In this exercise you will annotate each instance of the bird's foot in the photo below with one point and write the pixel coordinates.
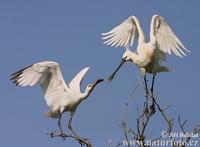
(83, 141)
(53, 134)
(152, 109)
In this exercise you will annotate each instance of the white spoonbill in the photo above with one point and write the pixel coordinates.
(59, 96)
(149, 54)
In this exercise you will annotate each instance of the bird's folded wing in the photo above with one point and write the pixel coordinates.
(164, 38)
(123, 35)
(75, 83)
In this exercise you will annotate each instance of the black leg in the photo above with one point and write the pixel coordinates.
(145, 82)
(154, 75)
(146, 89)
(152, 107)
(59, 123)
(70, 124)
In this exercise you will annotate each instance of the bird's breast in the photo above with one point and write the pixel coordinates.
(72, 104)
(149, 60)
(145, 50)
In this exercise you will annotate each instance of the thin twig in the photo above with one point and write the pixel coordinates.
(123, 115)
(182, 125)
(81, 141)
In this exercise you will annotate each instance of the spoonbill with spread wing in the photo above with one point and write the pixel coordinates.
(59, 96)
(149, 54)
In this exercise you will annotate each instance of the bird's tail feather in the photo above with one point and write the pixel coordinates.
(52, 114)
(163, 69)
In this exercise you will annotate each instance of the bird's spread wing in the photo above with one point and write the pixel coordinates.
(46, 73)
(164, 38)
(123, 35)
(75, 83)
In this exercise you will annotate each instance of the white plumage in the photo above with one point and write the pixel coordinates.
(161, 35)
(148, 54)
(58, 96)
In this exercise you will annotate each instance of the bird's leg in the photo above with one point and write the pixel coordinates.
(61, 134)
(70, 126)
(154, 75)
(152, 107)
(59, 124)
(82, 141)
(146, 89)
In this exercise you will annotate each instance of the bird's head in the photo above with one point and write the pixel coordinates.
(126, 57)
(90, 87)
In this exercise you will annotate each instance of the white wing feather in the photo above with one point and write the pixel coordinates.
(164, 38)
(75, 83)
(38, 74)
(123, 35)
(48, 75)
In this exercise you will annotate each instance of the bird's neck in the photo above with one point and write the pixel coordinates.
(135, 58)
(85, 94)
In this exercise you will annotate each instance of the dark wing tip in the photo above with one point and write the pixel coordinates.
(15, 75)
(20, 71)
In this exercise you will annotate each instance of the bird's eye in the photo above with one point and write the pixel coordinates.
(90, 85)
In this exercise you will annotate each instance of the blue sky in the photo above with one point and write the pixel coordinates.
(69, 32)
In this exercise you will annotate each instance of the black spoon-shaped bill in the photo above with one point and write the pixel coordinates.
(113, 74)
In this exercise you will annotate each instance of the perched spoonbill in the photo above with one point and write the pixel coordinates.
(149, 54)
(59, 96)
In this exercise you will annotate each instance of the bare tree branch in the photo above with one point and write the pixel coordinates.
(123, 115)
(143, 119)
(81, 141)
(182, 125)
